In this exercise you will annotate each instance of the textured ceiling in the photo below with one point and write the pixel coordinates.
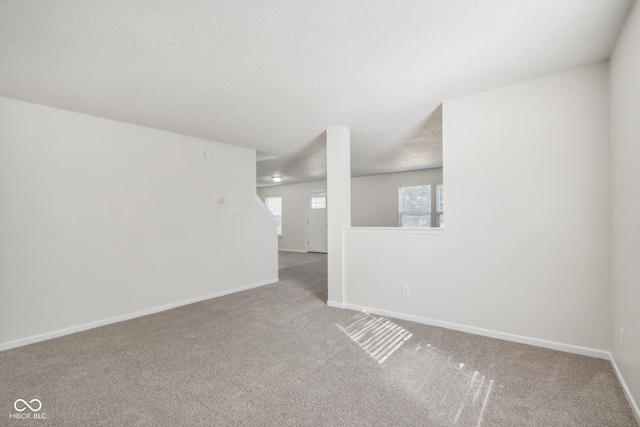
(274, 75)
(421, 149)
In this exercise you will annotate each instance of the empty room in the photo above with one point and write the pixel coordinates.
(414, 213)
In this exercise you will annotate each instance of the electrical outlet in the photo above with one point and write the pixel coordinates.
(404, 290)
(213, 276)
(621, 339)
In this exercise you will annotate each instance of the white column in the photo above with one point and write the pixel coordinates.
(339, 207)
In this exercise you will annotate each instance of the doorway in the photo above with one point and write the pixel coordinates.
(317, 222)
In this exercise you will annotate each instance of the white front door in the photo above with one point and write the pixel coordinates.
(317, 222)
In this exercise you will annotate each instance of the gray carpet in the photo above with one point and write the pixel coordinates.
(277, 355)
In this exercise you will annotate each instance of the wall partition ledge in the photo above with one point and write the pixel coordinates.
(395, 230)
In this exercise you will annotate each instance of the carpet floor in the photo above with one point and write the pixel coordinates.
(278, 356)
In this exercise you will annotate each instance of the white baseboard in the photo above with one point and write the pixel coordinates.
(73, 329)
(625, 388)
(293, 250)
(601, 354)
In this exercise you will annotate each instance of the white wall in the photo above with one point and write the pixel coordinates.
(338, 206)
(374, 199)
(294, 213)
(374, 202)
(625, 203)
(525, 251)
(101, 219)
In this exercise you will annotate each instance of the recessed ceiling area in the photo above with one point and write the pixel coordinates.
(273, 76)
(421, 149)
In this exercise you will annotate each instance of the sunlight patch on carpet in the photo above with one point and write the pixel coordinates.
(377, 336)
(459, 394)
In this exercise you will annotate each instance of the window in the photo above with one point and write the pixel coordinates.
(274, 204)
(440, 205)
(319, 202)
(415, 206)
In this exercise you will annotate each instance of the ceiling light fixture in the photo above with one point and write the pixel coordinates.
(276, 178)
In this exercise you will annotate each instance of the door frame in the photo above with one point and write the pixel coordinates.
(306, 213)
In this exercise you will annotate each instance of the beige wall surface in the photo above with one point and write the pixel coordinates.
(525, 251)
(374, 199)
(101, 219)
(625, 203)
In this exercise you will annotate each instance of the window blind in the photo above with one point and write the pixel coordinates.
(415, 206)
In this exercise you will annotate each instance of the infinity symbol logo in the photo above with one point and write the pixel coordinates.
(26, 405)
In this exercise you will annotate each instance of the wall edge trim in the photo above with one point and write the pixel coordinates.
(625, 388)
(568, 348)
(396, 230)
(336, 304)
(103, 322)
